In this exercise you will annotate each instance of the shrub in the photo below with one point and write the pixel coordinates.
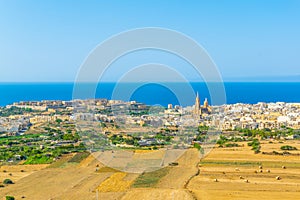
(231, 145)
(287, 147)
(10, 198)
(222, 140)
(255, 144)
(173, 164)
(58, 121)
(8, 181)
(256, 151)
(197, 146)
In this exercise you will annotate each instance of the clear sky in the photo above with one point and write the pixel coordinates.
(49, 40)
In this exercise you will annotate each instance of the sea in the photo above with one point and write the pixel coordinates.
(154, 93)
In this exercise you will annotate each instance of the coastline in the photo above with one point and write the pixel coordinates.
(236, 92)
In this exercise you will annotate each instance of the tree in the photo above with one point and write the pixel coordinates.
(197, 146)
(10, 198)
(58, 121)
(68, 136)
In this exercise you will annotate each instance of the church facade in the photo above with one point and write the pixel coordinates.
(201, 110)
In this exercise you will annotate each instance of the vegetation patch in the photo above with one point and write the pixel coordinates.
(79, 157)
(255, 144)
(38, 159)
(231, 145)
(107, 169)
(288, 148)
(5, 112)
(199, 148)
(60, 163)
(150, 179)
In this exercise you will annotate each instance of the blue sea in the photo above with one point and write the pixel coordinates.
(153, 94)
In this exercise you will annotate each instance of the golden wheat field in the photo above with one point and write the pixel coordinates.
(225, 173)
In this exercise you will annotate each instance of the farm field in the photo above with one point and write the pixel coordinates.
(17, 172)
(225, 173)
(60, 180)
(234, 173)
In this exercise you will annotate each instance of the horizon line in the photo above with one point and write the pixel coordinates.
(85, 82)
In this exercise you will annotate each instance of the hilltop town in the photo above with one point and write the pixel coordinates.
(47, 129)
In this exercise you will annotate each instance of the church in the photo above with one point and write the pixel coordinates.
(201, 110)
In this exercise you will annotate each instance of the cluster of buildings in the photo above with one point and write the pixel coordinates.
(12, 125)
(34, 112)
(226, 117)
(255, 116)
(42, 105)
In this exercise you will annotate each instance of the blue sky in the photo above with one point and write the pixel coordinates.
(49, 40)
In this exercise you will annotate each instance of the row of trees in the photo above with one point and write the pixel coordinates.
(5, 112)
(266, 133)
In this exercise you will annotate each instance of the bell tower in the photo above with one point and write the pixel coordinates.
(197, 108)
